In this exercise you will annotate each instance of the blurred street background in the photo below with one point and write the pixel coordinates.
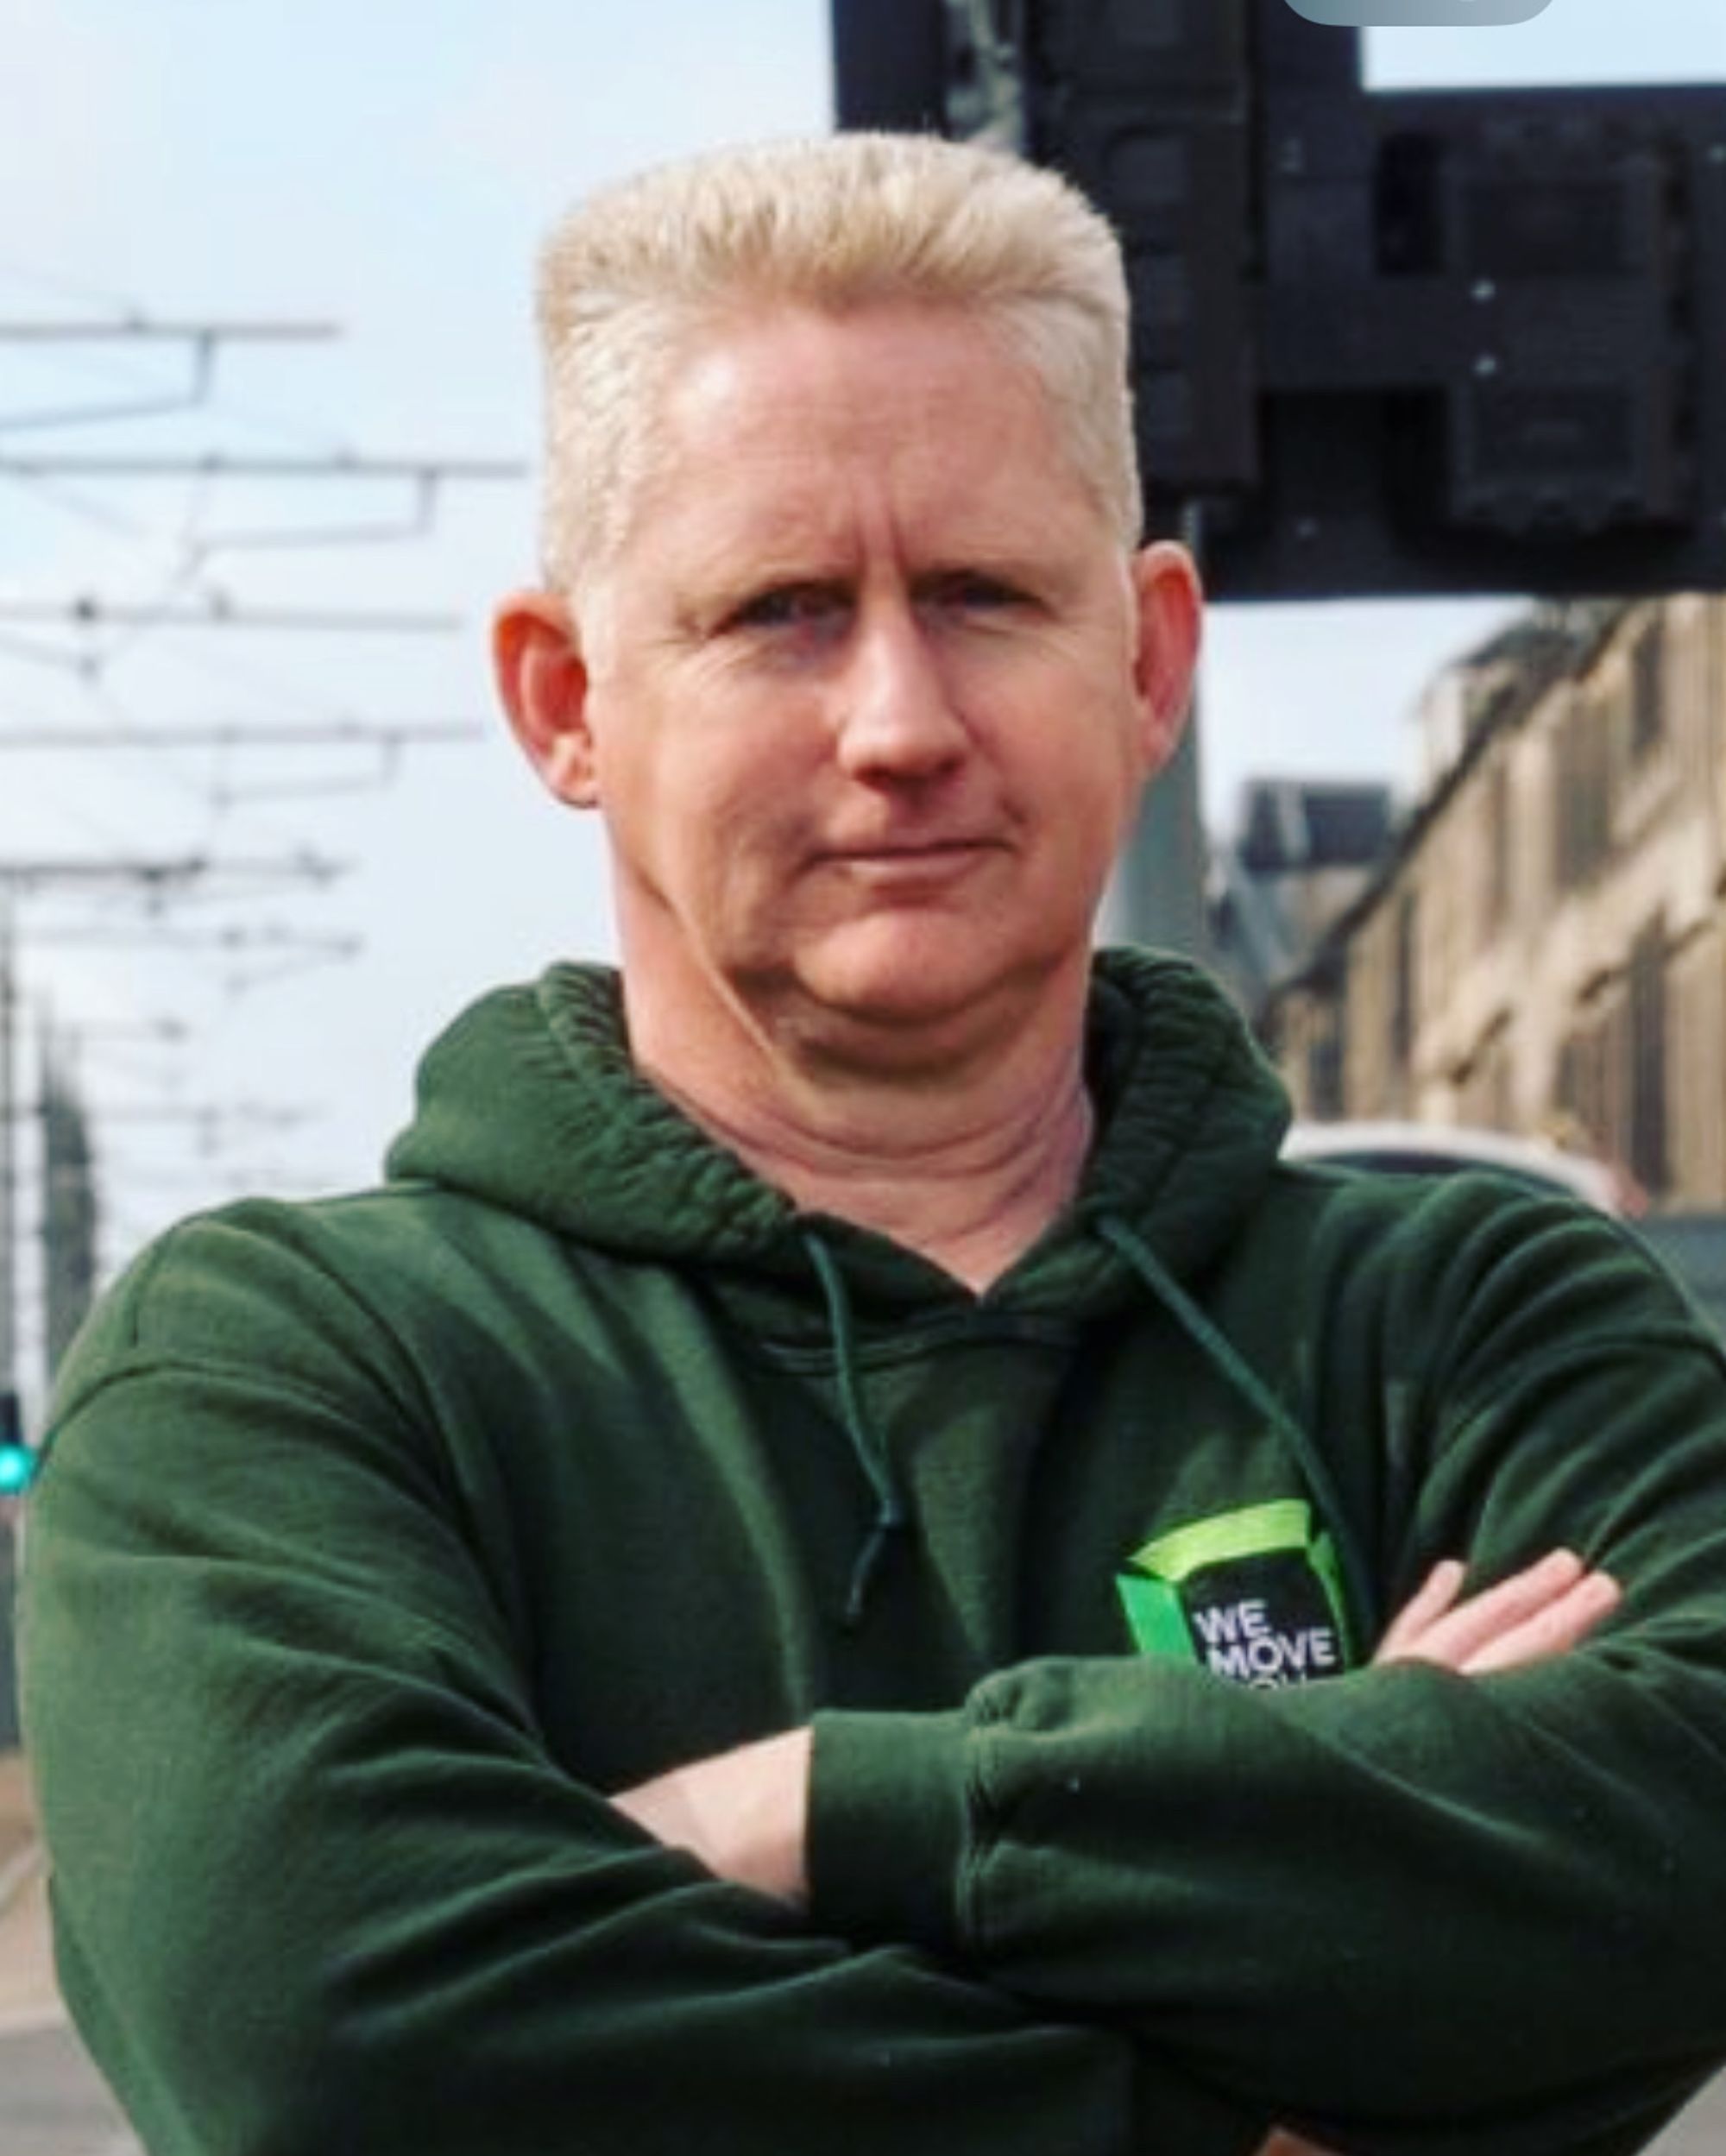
(52, 2102)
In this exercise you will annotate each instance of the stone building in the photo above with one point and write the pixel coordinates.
(1303, 850)
(1544, 948)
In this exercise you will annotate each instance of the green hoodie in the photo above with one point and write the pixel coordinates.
(380, 1535)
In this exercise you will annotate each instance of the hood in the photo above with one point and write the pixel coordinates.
(530, 1102)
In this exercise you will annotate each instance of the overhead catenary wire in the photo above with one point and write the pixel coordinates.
(146, 495)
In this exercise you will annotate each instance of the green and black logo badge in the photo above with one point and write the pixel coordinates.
(1254, 1596)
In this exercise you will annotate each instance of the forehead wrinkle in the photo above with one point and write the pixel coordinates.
(921, 410)
(848, 543)
(814, 477)
(760, 539)
(916, 500)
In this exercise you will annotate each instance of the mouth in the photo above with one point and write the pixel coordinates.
(911, 853)
(913, 864)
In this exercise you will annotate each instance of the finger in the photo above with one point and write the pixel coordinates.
(1475, 1623)
(1431, 1600)
(1562, 1624)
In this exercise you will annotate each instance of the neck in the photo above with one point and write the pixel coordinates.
(968, 1172)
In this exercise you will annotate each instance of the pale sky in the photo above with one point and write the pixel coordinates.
(389, 167)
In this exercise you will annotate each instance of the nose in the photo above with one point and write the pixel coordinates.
(897, 720)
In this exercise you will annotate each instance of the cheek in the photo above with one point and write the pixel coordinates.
(1096, 798)
(1095, 762)
(713, 829)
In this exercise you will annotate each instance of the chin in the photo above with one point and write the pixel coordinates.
(904, 984)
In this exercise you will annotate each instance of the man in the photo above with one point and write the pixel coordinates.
(813, 1571)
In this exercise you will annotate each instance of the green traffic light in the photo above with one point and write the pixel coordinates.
(17, 1469)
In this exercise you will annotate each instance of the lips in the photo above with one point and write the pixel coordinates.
(930, 859)
(912, 851)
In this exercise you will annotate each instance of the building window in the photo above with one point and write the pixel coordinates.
(1325, 1070)
(1582, 779)
(1496, 894)
(1404, 986)
(1648, 690)
(1647, 1058)
(1583, 1092)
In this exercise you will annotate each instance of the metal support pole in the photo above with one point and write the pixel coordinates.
(9, 1152)
(12, 1459)
(1158, 894)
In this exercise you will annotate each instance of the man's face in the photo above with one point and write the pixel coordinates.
(867, 700)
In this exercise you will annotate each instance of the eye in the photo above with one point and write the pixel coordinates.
(798, 606)
(975, 592)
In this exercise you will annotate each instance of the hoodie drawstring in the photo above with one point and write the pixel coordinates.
(1214, 1343)
(872, 1453)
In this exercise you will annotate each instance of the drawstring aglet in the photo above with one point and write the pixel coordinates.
(889, 1521)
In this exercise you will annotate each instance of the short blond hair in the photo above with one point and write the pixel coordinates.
(630, 279)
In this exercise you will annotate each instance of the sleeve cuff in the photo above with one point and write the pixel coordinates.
(887, 1826)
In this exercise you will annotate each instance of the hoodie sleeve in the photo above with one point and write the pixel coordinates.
(1404, 1909)
(317, 1883)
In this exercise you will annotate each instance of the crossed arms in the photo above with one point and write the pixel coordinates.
(743, 1814)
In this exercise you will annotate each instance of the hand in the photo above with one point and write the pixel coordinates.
(1545, 1610)
(743, 1814)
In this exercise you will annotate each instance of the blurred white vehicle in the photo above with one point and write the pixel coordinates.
(1438, 1148)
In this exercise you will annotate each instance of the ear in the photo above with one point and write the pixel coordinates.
(543, 684)
(1170, 604)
